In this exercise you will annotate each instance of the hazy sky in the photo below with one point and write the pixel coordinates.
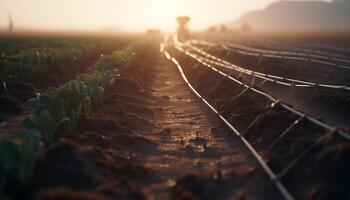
(129, 15)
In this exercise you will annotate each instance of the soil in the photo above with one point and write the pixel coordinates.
(154, 139)
(151, 139)
(321, 165)
(325, 104)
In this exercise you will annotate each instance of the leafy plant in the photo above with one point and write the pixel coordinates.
(56, 109)
(45, 124)
(18, 158)
(117, 61)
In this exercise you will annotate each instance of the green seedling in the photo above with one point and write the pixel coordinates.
(18, 158)
(46, 125)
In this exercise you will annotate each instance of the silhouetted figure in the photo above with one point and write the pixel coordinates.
(182, 31)
(10, 24)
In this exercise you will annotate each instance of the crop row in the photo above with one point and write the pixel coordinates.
(36, 58)
(57, 111)
(16, 47)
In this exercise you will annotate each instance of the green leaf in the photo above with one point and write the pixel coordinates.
(31, 122)
(9, 162)
(9, 155)
(29, 149)
(44, 123)
(47, 126)
(65, 122)
(83, 89)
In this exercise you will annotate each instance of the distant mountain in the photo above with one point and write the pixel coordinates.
(299, 16)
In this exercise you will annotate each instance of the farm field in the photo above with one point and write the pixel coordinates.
(32, 64)
(216, 116)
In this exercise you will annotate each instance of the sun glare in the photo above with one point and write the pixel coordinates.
(163, 13)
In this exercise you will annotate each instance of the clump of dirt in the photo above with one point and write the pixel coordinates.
(135, 142)
(62, 166)
(67, 193)
(207, 186)
(132, 120)
(166, 131)
(198, 187)
(121, 189)
(9, 106)
(140, 110)
(101, 121)
(129, 84)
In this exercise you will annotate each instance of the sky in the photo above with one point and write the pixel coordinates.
(128, 15)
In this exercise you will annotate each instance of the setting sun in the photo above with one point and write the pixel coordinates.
(162, 12)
